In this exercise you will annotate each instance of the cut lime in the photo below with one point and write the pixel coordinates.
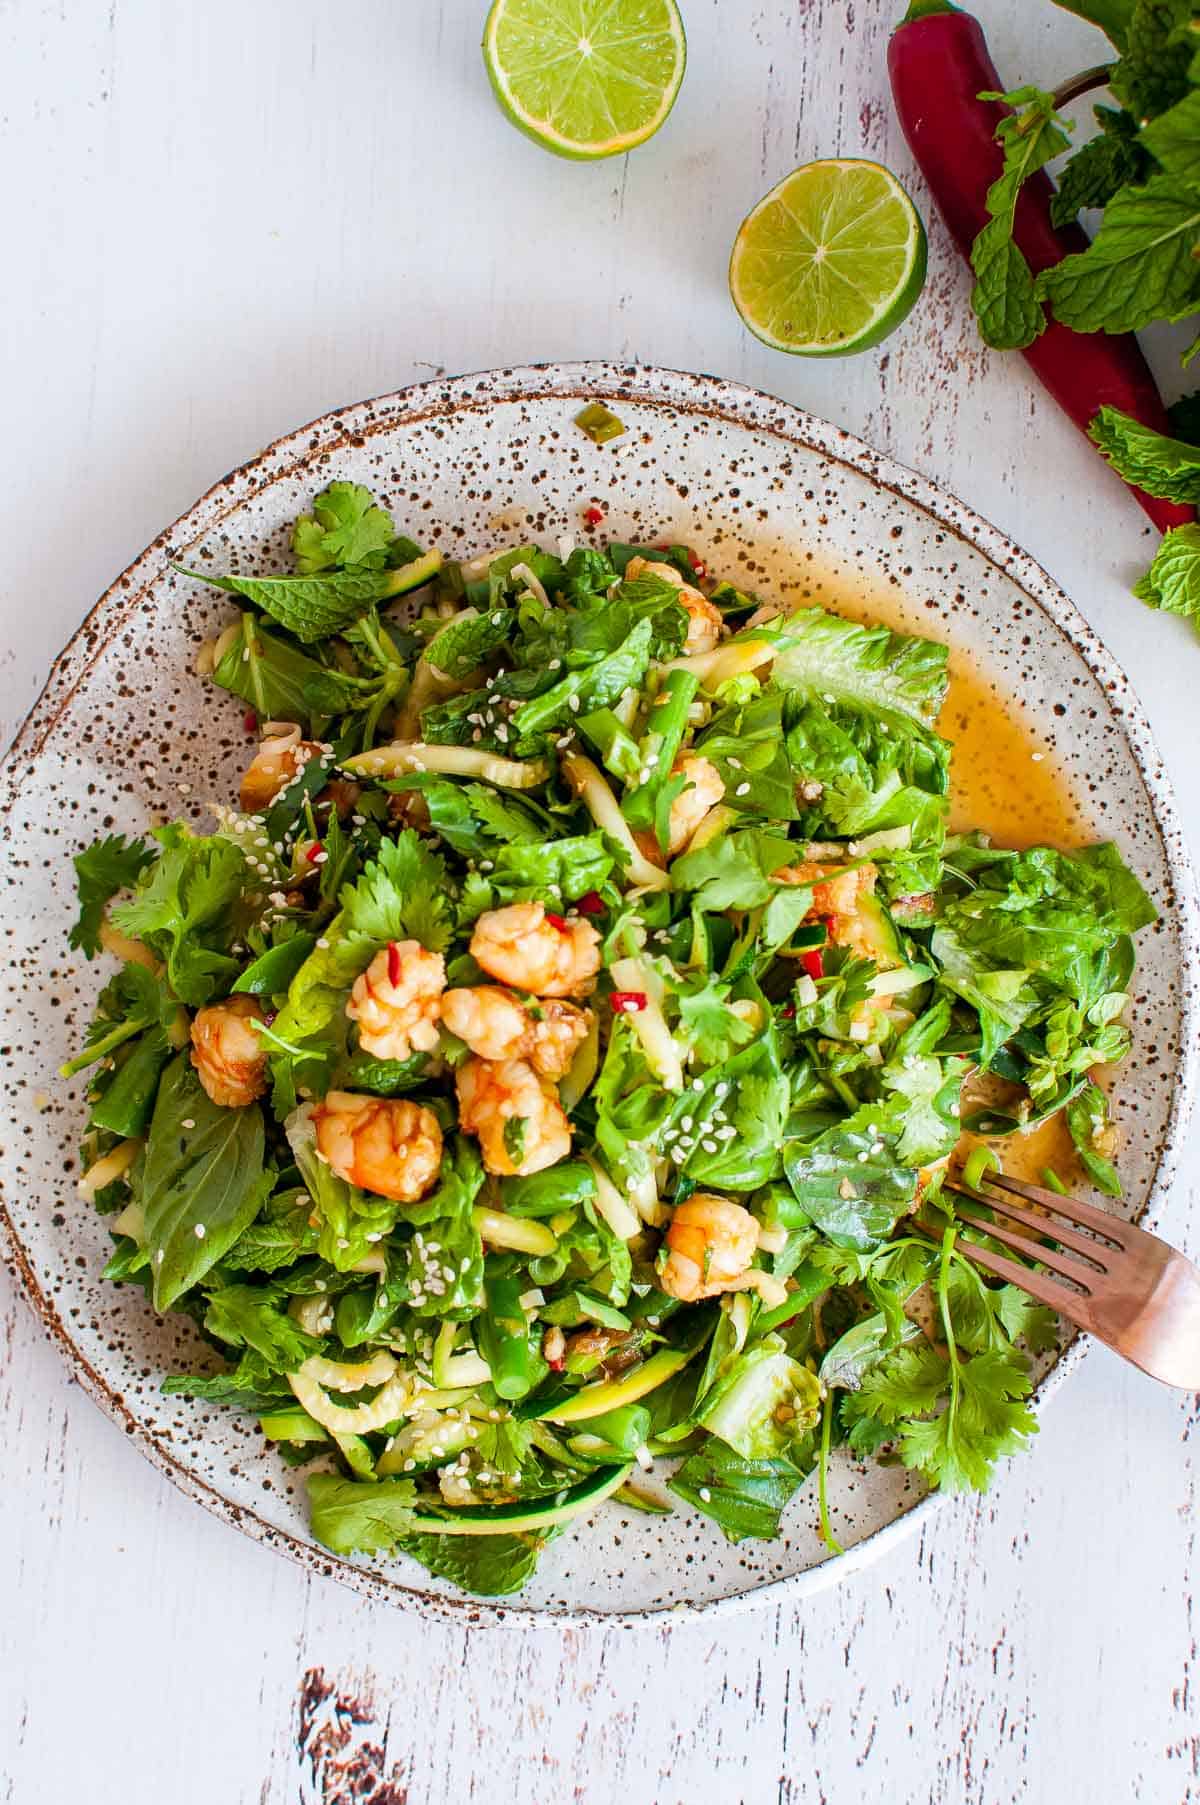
(830, 261)
(585, 78)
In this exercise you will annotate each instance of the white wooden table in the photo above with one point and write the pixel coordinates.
(219, 220)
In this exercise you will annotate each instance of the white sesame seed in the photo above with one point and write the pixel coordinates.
(199, 1231)
(704, 1494)
(188, 1122)
(743, 789)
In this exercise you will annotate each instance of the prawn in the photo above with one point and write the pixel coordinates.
(521, 1125)
(230, 1059)
(496, 1026)
(549, 955)
(705, 620)
(386, 1145)
(397, 1001)
(710, 1245)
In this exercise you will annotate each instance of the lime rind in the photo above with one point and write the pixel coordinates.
(619, 91)
(831, 261)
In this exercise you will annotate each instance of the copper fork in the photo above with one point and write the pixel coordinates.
(1124, 1286)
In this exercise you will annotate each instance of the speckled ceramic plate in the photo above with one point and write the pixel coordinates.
(124, 736)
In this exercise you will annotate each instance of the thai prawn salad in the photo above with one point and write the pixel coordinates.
(538, 1086)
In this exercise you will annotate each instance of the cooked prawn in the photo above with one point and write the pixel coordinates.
(229, 1057)
(710, 1243)
(385, 1145)
(496, 1025)
(705, 620)
(281, 756)
(836, 891)
(521, 1124)
(397, 1001)
(550, 955)
(705, 788)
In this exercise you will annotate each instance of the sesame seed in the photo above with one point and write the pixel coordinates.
(704, 1495)
(188, 1122)
(199, 1231)
(743, 789)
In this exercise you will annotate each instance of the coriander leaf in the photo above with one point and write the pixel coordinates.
(346, 527)
(1004, 297)
(1023, 1320)
(956, 1450)
(1148, 459)
(1173, 579)
(743, 1497)
(310, 607)
(105, 867)
(1139, 267)
(183, 909)
(403, 894)
(202, 1184)
(733, 871)
(351, 1517)
(708, 1022)
(1099, 167)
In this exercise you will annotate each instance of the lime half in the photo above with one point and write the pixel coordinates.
(585, 78)
(830, 261)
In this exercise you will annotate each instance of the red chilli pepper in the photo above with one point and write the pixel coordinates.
(315, 853)
(558, 921)
(628, 1002)
(788, 1012)
(939, 64)
(394, 965)
(250, 721)
(813, 963)
(591, 904)
(593, 515)
(700, 569)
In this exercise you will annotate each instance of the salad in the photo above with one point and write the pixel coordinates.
(540, 1082)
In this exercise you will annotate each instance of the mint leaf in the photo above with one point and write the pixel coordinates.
(310, 607)
(1173, 139)
(277, 680)
(1148, 459)
(346, 526)
(491, 1566)
(1004, 297)
(203, 1182)
(252, 1316)
(1112, 16)
(743, 1497)
(1153, 72)
(1100, 167)
(104, 868)
(1139, 267)
(1173, 580)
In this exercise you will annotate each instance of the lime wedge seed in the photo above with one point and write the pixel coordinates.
(830, 261)
(585, 78)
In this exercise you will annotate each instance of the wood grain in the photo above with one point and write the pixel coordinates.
(227, 219)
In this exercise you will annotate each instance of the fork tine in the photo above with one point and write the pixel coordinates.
(1046, 1290)
(1087, 1214)
(1096, 1251)
(1067, 1264)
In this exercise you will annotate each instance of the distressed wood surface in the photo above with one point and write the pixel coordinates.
(220, 220)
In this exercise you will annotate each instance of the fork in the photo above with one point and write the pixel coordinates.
(1123, 1285)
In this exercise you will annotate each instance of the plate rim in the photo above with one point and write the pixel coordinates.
(687, 392)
